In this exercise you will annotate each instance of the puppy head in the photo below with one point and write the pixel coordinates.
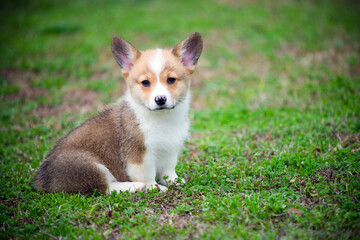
(158, 78)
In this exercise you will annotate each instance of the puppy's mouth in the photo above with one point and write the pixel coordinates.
(162, 108)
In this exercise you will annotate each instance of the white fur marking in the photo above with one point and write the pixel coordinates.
(124, 186)
(109, 177)
(157, 63)
(161, 90)
(118, 186)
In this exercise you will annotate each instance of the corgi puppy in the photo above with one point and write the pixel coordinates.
(136, 141)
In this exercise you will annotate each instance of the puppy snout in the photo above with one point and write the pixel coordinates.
(160, 100)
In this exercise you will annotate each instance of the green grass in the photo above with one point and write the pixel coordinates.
(275, 147)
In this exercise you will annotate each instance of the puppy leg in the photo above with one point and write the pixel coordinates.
(166, 164)
(144, 173)
(125, 186)
(113, 185)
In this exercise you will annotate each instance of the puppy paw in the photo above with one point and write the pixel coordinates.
(159, 187)
(176, 181)
(180, 181)
(125, 186)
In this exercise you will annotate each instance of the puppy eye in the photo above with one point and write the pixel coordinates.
(171, 80)
(145, 83)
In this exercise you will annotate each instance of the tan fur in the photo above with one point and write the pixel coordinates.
(141, 72)
(112, 138)
(173, 68)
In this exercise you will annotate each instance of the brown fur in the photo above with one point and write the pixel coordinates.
(112, 138)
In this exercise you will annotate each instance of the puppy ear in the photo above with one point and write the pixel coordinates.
(189, 50)
(124, 53)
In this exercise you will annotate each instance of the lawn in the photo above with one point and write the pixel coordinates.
(275, 137)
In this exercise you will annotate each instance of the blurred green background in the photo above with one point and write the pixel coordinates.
(275, 144)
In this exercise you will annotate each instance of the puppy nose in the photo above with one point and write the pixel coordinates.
(160, 100)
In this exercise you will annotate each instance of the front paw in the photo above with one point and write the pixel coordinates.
(167, 181)
(180, 181)
(159, 187)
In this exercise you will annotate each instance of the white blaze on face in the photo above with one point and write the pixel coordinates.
(156, 65)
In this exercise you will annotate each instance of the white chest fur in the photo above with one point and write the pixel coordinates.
(165, 132)
(163, 129)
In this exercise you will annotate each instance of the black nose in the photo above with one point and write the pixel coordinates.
(160, 100)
